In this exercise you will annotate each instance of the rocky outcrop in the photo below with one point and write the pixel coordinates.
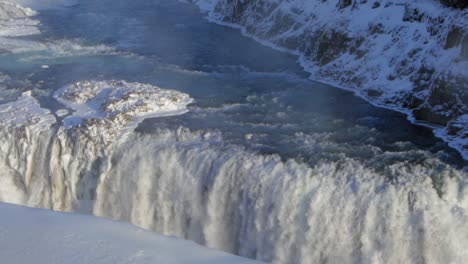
(455, 3)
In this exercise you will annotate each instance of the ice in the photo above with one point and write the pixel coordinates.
(25, 113)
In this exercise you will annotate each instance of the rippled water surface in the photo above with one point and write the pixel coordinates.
(255, 96)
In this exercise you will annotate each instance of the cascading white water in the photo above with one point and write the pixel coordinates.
(191, 185)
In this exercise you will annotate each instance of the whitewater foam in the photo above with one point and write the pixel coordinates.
(193, 185)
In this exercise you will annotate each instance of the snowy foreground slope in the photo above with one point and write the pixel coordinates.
(39, 236)
(411, 56)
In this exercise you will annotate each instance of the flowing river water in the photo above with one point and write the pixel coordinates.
(266, 163)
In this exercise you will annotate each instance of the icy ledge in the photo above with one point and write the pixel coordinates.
(25, 112)
(107, 109)
(68, 238)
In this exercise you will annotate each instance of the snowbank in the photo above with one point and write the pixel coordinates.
(39, 236)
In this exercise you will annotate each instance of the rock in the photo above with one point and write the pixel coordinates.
(454, 38)
(455, 3)
(464, 48)
(330, 46)
(344, 3)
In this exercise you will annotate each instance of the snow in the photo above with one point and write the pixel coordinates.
(17, 19)
(15, 22)
(456, 134)
(38, 236)
(25, 112)
(12, 10)
(109, 108)
(43, 4)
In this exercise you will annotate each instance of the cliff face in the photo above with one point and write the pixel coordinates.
(408, 55)
(455, 3)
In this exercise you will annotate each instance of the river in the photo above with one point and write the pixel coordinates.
(266, 163)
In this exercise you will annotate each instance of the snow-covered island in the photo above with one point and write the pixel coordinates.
(107, 109)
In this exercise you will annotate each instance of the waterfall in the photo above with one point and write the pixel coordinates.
(192, 185)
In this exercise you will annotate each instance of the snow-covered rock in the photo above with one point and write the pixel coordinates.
(455, 3)
(10, 11)
(43, 4)
(25, 113)
(15, 21)
(107, 109)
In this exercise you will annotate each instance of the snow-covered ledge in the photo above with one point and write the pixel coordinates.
(39, 236)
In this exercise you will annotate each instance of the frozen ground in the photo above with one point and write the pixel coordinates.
(30, 236)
